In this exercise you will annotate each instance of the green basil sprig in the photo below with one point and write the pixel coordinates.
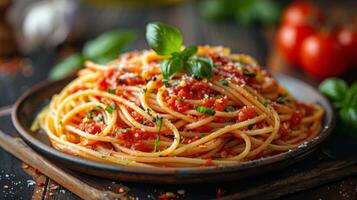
(167, 40)
(163, 39)
(344, 100)
(66, 66)
(335, 89)
(102, 49)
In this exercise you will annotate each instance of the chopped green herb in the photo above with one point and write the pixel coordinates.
(182, 99)
(144, 90)
(158, 120)
(97, 107)
(156, 144)
(90, 115)
(98, 118)
(123, 130)
(282, 99)
(229, 109)
(205, 110)
(265, 102)
(111, 107)
(249, 73)
(224, 82)
(111, 91)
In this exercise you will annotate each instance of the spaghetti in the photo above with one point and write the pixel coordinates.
(122, 113)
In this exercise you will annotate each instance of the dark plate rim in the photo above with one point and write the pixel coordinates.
(33, 141)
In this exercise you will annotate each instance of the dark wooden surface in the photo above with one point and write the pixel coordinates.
(328, 172)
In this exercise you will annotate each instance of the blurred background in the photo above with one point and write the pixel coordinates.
(50, 39)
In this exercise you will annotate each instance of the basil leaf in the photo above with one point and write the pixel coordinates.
(351, 97)
(335, 89)
(200, 67)
(217, 9)
(67, 66)
(255, 11)
(108, 45)
(249, 13)
(188, 52)
(170, 67)
(111, 91)
(348, 116)
(163, 39)
(205, 110)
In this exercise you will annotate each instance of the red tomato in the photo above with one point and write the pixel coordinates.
(301, 13)
(246, 113)
(348, 39)
(91, 127)
(322, 56)
(296, 118)
(289, 39)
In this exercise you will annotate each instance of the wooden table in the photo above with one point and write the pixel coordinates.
(20, 181)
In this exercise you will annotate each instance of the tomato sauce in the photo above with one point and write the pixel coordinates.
(113, 78)
(134, 138)
(176, 104)
(216, 104)
(203, 129)
(188, 140)
(283, 131)
(306, 109)
(296, 118)
(139, 118)
(193, 89)
(91, 127)
(246, 113)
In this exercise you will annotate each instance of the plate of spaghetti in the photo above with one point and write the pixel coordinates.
(128, 120)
